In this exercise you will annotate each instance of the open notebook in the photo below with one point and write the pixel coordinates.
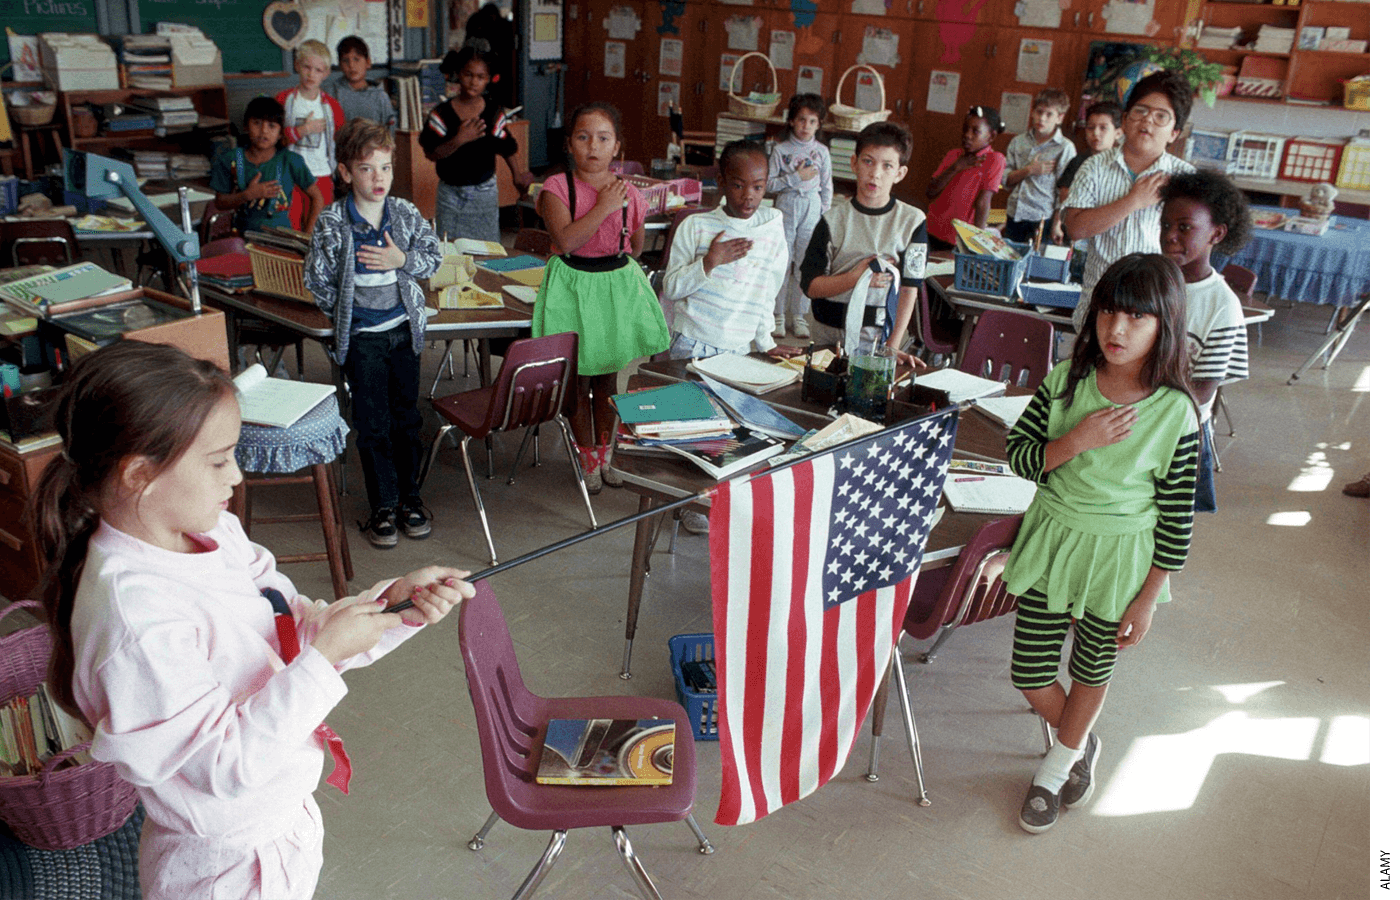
(278, 402)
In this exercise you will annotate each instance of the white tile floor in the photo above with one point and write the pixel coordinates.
(1235, 739)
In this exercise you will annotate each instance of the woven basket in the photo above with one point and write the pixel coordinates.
(853, 118)
(278, 272)
(741, 107)
(60, 808)
(34, 113)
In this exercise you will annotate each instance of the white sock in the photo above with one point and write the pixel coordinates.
(1054, 769)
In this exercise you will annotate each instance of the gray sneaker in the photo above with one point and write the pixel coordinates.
(1040, 810)
(380, 529)
(1080, 785)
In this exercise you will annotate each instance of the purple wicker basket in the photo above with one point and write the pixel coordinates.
(61, 807)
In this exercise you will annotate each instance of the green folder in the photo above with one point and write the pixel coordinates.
(671, 403)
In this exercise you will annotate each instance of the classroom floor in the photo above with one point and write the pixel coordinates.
(1235, 760)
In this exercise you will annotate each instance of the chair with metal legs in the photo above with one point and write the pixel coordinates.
(969, 591)
(511, 723)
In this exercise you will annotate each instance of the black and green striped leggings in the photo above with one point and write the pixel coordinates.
(1040, 638)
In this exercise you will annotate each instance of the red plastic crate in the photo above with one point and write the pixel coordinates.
(654, 192)
(1311, 159)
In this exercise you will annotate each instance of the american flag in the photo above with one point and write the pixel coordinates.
(811, 568)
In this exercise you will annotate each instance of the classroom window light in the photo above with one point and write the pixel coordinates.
(1315, 475)
(1363, 381)
(1239, 693)
(1348, 741)
(1290, 519)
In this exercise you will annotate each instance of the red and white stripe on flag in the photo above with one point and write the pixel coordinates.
(798, 661)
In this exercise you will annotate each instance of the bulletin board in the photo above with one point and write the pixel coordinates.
(236, 26)
(80, 17)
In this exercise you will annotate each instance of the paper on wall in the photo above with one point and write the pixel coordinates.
(869, 94)
(743, 32)
(726, 66)
(672, 50)
(24, 57)
(809, 80)
(668, 94)
(1015, 111)
(614, 59)
(622, 23)
(868, 7)
(1033, 61)
(780, 44)
(1038, 13)
(943, 92)
(1129, 17)
(879, 48)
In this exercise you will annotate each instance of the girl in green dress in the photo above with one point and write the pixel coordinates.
(1112, 439)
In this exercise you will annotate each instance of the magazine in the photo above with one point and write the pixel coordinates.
(603, 752)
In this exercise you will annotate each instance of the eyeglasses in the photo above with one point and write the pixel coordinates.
(1159, 117)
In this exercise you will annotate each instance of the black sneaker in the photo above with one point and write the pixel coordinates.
(380, 530)
(1080, 786)
(413, 520)
(1040, 810)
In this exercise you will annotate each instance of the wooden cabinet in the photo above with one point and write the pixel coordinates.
(415, 176)
(20, 468)
(210, 102)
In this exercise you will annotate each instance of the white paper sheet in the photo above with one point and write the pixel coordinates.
(809, 80)
(1129, 17)
(943, 92)
(879, 48)
(1015, 111)
(622, 23)
(1038, 13)
(668, 93)
(743, 32)
(868, 7)
(780, 44)
(1033, 61)
(726, 66)
(868, 91)
(672, 50)
(614, 59)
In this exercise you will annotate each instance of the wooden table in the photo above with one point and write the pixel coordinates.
(662, 479)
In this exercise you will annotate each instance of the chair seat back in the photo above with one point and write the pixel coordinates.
(534, 384)
(972, 590)
(937, 333)
(1010, 346)
(1242, 282)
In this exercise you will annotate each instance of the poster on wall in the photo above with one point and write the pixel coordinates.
(545, 18)
(943, 92)
(1015, 111)
(809, 80)
(672, 51)
(1033, 61)
(615, 59)
(332, 22)
(668, 95)
(1129, 17)
(780, 44)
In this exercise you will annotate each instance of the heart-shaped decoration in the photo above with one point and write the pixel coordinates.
(285, 23)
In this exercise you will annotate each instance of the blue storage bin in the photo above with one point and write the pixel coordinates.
(1050, 269)
(989, 275)
(82, 202)
(701, 709)
(9, 194)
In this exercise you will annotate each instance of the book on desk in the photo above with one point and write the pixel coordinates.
(278, 402)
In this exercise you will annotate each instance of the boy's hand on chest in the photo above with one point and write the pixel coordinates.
(381, 258)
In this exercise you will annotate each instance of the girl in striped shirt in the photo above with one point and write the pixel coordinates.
(1112, 439)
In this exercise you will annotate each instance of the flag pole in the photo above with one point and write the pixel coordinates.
(667, 507)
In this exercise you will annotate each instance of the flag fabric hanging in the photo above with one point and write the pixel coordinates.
(811, 569)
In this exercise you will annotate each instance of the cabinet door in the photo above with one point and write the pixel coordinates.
(888, 46)
(1064, 68)
(1162, 23)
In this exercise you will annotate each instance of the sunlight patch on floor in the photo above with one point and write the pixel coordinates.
(1348, 741)
(1292, 519)
(1315, 474)
(1363, 381)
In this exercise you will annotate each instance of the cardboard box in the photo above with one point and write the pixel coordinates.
(78, 62)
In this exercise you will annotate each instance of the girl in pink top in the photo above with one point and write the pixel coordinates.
(205, 676)
(963, 184)
(594, 286)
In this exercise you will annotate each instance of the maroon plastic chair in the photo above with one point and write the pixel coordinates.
(938, 334)
(511, 722)
(967, 592)
(1010, 346)
(534, 386)
(627, 167)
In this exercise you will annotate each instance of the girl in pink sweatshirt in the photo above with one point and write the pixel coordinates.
(205, 676)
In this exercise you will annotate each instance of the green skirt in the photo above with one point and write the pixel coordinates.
(614, 311)
(1076, 569)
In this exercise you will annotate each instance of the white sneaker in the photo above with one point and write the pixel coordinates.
(694, 522)
(799, 327)
(779, 327)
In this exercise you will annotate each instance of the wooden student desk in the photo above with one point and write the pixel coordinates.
(662, 479)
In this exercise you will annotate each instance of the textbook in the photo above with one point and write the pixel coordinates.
(474, 247)
(725, 456)
(679, 401)
(603, 752)
(745, 372)
(752, 412)
(1002, 410)
(959, 385)
(278, 402)
(47, 292)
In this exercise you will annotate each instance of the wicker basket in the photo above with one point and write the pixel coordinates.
(34, 113)
(853, 118)
(741, 107)
(60, 808)
(278, 272)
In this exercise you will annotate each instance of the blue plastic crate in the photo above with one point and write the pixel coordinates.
(9, 194)
(701, 709)
(989, 275)
(1048, 269)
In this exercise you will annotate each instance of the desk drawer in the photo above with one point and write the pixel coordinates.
(12, 480)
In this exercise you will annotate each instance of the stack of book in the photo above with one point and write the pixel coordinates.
(1218, 37)
(728, 130)
(231, 273)
(34, 728)
(280, 238)
(1273, 39)
(842, 149)
(667, 415)
(171, 113)
(187, 166)
(145, 60)
(150, 163)
(51, 292)
(405, 90)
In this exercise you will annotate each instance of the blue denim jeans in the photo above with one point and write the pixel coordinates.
(468, 210)
(383, 373)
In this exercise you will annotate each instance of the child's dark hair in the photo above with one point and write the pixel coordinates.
(1224, 201)
(352, 44)
(128, 400)
(1172, 86)
(456, 60)
(990, 115)
(264, 109)
(359, 138)
(1052, 97)
(1106, 108)
(736, 149)
(811, 102)
(600, 107)
(886, 134)
(1147, 283)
